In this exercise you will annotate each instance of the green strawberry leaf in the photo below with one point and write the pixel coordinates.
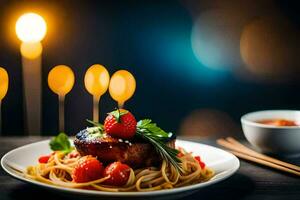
(118, 113)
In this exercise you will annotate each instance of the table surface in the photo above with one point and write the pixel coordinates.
(250, 182)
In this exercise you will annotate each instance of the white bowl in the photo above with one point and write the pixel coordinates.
(280, 140)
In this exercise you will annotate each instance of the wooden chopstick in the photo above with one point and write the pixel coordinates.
(246, 153)
(265, 163)
(262, 156)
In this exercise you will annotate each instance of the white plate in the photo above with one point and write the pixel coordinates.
(223, 163)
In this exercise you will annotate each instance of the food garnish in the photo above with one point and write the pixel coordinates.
(61, 143)
(118, 174)
(120, 123)
(88, 169)
(202, 164)
(44, 159)
(157, 137)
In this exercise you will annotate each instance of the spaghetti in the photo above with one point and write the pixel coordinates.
(57, 171)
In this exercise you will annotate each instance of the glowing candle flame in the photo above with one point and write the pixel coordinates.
(61, 79)
(3, 90)
(3, 83)
(96, 80)
(31, 27)
(122, 86)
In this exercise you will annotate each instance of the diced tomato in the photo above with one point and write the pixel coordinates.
(198, 158)
(118, 172)
(44, 159)
(180, 154)
(202, 164)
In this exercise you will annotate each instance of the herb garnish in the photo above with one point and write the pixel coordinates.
(61, 143)
(156, 136)
(97, 124)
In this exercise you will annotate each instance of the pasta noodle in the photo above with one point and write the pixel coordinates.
(57, 171)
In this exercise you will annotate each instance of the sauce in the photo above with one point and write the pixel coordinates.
(279, 122)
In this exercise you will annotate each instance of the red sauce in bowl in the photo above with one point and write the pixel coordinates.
(279, 122)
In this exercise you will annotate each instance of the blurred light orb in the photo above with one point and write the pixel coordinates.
(215, 39)
(3, 83)
(31, 50)
(31, 27)
(122, 86)
(61, 79)
(269, 47)
(96, 80)
(208, 123)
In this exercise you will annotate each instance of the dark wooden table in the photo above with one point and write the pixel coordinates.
(250, 182)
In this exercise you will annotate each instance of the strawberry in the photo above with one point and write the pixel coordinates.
(120, 123)
(88, 169)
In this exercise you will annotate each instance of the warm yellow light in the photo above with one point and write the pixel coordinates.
(31, 27)
(31, 50)
(3, 83)
(61, 79)
(122, 86)
(96, 80)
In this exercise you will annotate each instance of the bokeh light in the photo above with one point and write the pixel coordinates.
(269, 47)
(96, 80)
(61, 79)
(122, 86)
(215, 39)
(3, 83)
(209, 123)
(31, 27)
(31, 50)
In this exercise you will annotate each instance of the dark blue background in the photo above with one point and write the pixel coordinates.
(150, 39)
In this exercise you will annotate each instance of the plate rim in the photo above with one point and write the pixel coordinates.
(188, 188)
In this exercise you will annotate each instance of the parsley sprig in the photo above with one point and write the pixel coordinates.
(156, 136)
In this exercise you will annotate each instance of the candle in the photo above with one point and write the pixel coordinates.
(61, 81)
(122, 86)
(96, 82)
(31, 29)
(3, 90)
